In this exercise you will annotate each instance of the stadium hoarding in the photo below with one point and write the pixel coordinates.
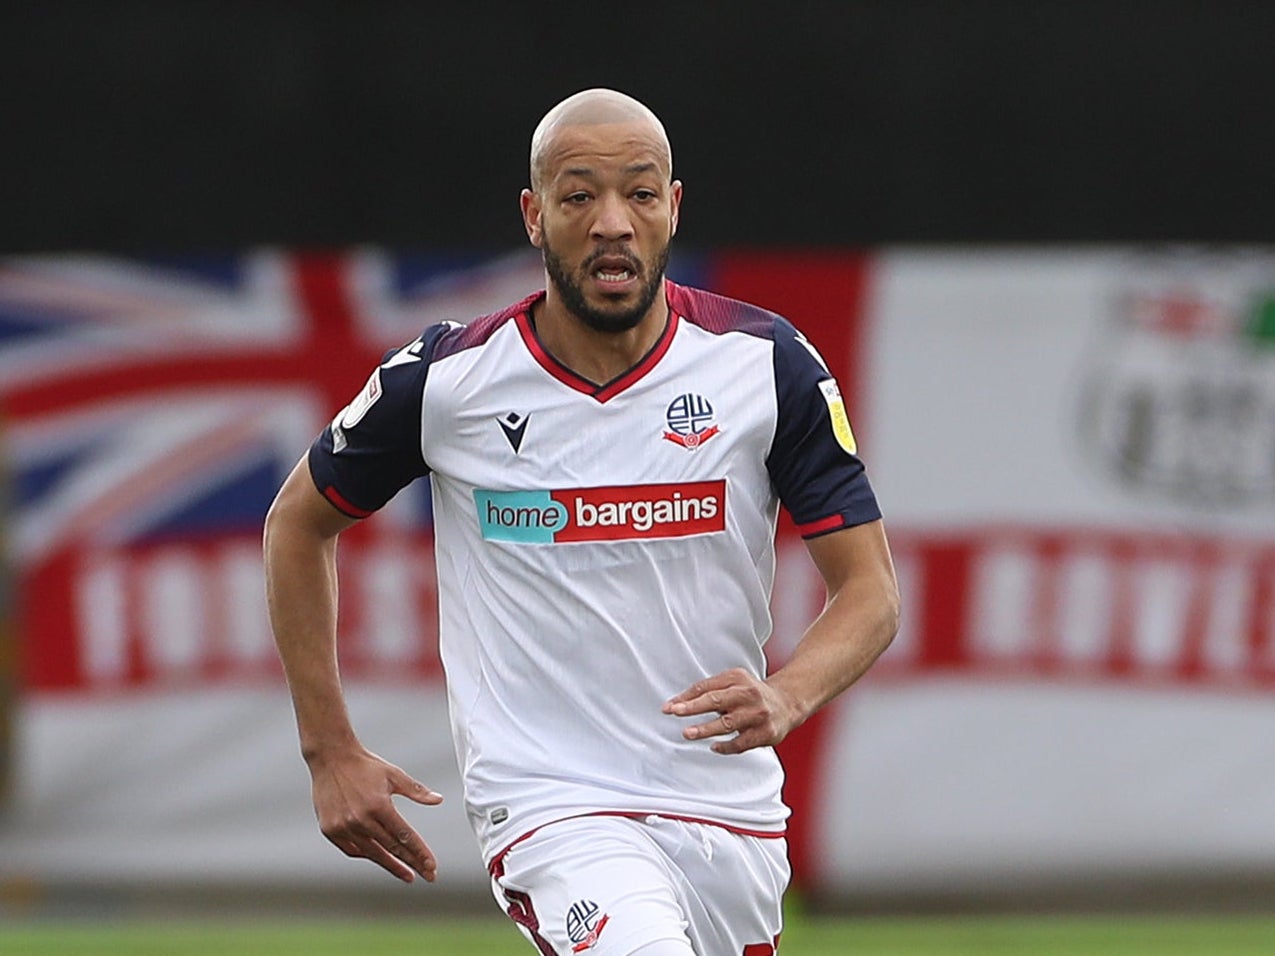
(1069, 446)
(1073, 449)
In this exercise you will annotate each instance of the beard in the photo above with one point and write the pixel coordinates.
(619, 318)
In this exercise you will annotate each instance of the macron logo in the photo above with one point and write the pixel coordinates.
(622, 513)
(514, 426)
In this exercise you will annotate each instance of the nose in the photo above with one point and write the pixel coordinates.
(612, 220)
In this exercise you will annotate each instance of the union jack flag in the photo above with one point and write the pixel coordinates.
(152, 407)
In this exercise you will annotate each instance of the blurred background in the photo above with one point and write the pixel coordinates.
(1033, 239)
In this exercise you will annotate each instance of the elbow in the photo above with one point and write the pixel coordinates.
(890, 610)
(300, 514)
(276, 519)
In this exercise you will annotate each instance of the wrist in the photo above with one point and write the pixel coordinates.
(317, 751)
(796, 709)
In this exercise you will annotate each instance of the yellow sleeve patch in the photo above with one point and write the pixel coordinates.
(837, 415)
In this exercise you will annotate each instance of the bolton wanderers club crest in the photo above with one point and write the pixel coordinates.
(585, 922)
(1179, 398)
(689, 419)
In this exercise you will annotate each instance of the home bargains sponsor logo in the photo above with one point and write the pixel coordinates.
(602, 514)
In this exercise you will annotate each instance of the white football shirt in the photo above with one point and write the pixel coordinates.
(602, 547)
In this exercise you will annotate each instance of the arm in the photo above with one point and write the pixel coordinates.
(858, 622)
(351, 786)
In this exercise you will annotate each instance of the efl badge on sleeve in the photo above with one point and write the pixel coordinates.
(837, 414)
(354, 412)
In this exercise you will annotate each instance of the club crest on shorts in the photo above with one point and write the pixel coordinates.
(585, 922)
(689, 419)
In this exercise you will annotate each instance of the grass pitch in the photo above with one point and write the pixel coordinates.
(957, 936)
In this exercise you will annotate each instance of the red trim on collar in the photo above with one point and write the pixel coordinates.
(603, 393)
(648, 362)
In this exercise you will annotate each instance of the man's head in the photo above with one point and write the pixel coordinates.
(602, 206)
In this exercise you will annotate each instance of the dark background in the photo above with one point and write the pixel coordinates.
(184, 126)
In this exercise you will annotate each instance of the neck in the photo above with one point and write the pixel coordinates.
(597, 356)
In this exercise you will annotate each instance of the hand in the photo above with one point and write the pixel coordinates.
(759, 714)
(352, 792)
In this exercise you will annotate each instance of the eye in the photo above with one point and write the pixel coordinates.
(577, 198)
(644, 195)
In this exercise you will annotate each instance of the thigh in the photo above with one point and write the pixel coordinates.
(596, 886)
(731, 886)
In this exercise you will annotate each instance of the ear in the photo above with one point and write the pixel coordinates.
(675, 204)
(530, 203)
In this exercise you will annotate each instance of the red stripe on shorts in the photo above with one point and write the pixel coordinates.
(497, 865)
(524, 914)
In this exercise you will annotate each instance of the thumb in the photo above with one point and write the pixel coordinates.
(413, 789)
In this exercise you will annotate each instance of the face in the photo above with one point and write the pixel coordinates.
(603, 216)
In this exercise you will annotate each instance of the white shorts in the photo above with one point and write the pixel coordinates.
(607, 885)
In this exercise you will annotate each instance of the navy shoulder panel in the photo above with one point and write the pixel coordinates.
(813, 462)
(478, 331)
(372, 448)
(719, 314)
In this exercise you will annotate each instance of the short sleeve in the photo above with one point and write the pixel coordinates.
(813, 461)
(372, 448)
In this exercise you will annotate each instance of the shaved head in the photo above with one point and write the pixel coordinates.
(596, 107)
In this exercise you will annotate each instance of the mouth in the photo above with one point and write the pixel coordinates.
(612, 277)
(613, 271)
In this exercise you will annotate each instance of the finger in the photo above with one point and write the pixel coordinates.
(724, 724)
(415, 852)
(711, 701)
(747, 738)
(365, 848)
(383, 858)
(738, 744)
(413, 789)
(348, 847)
(701, 687)
(417, 855)
(397, 836)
